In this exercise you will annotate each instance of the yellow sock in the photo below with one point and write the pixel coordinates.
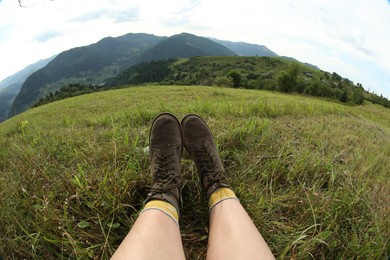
(165, 207)
(220, 195)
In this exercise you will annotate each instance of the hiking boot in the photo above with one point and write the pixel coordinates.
(200, 145)
(166, 145)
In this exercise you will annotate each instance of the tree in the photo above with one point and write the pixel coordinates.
(236, 77)
(202, 76)
(223, 82)
(344, 96)
(287, 81)
(336, 76)
(358, 97)
(326, 75)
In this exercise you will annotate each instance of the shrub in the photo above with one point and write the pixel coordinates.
(287, 81)
(358, 97)
(236, 77)
(223, 81)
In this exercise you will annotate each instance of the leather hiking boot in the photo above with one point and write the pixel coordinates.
(202, 149)
(166, 145)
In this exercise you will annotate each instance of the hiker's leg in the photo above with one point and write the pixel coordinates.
(233, 234)
(153, 236)
(156, 234)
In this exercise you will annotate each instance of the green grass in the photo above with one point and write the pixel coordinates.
(312, 174)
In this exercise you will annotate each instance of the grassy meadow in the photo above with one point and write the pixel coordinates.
(313, 175)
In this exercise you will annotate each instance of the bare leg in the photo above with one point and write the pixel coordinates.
(154, 235)
(233, 234)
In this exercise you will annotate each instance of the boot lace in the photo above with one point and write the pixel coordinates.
(208, 166)
(164, 176)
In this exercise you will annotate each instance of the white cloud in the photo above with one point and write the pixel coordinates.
(350, 37)
(46, 36)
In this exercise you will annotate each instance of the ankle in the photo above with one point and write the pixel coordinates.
(163, 206)
(219, 195)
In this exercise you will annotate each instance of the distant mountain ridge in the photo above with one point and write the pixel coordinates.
(95, 63)
(185, 45)
(19, 77)
(247, 49)
(10, 86)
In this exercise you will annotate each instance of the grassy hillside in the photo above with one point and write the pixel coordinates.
(265, 73)
(313, 175)
(255, 72)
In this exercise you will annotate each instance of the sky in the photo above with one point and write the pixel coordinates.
(349, 37)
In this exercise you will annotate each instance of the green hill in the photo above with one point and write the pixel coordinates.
(313, 175)
(268, 73)
(254, 72)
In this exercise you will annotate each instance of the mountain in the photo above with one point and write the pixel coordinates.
(185, 45)
(7, 96)
(90, 64)
(95, 63)
(246, 49)
(10, 86)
